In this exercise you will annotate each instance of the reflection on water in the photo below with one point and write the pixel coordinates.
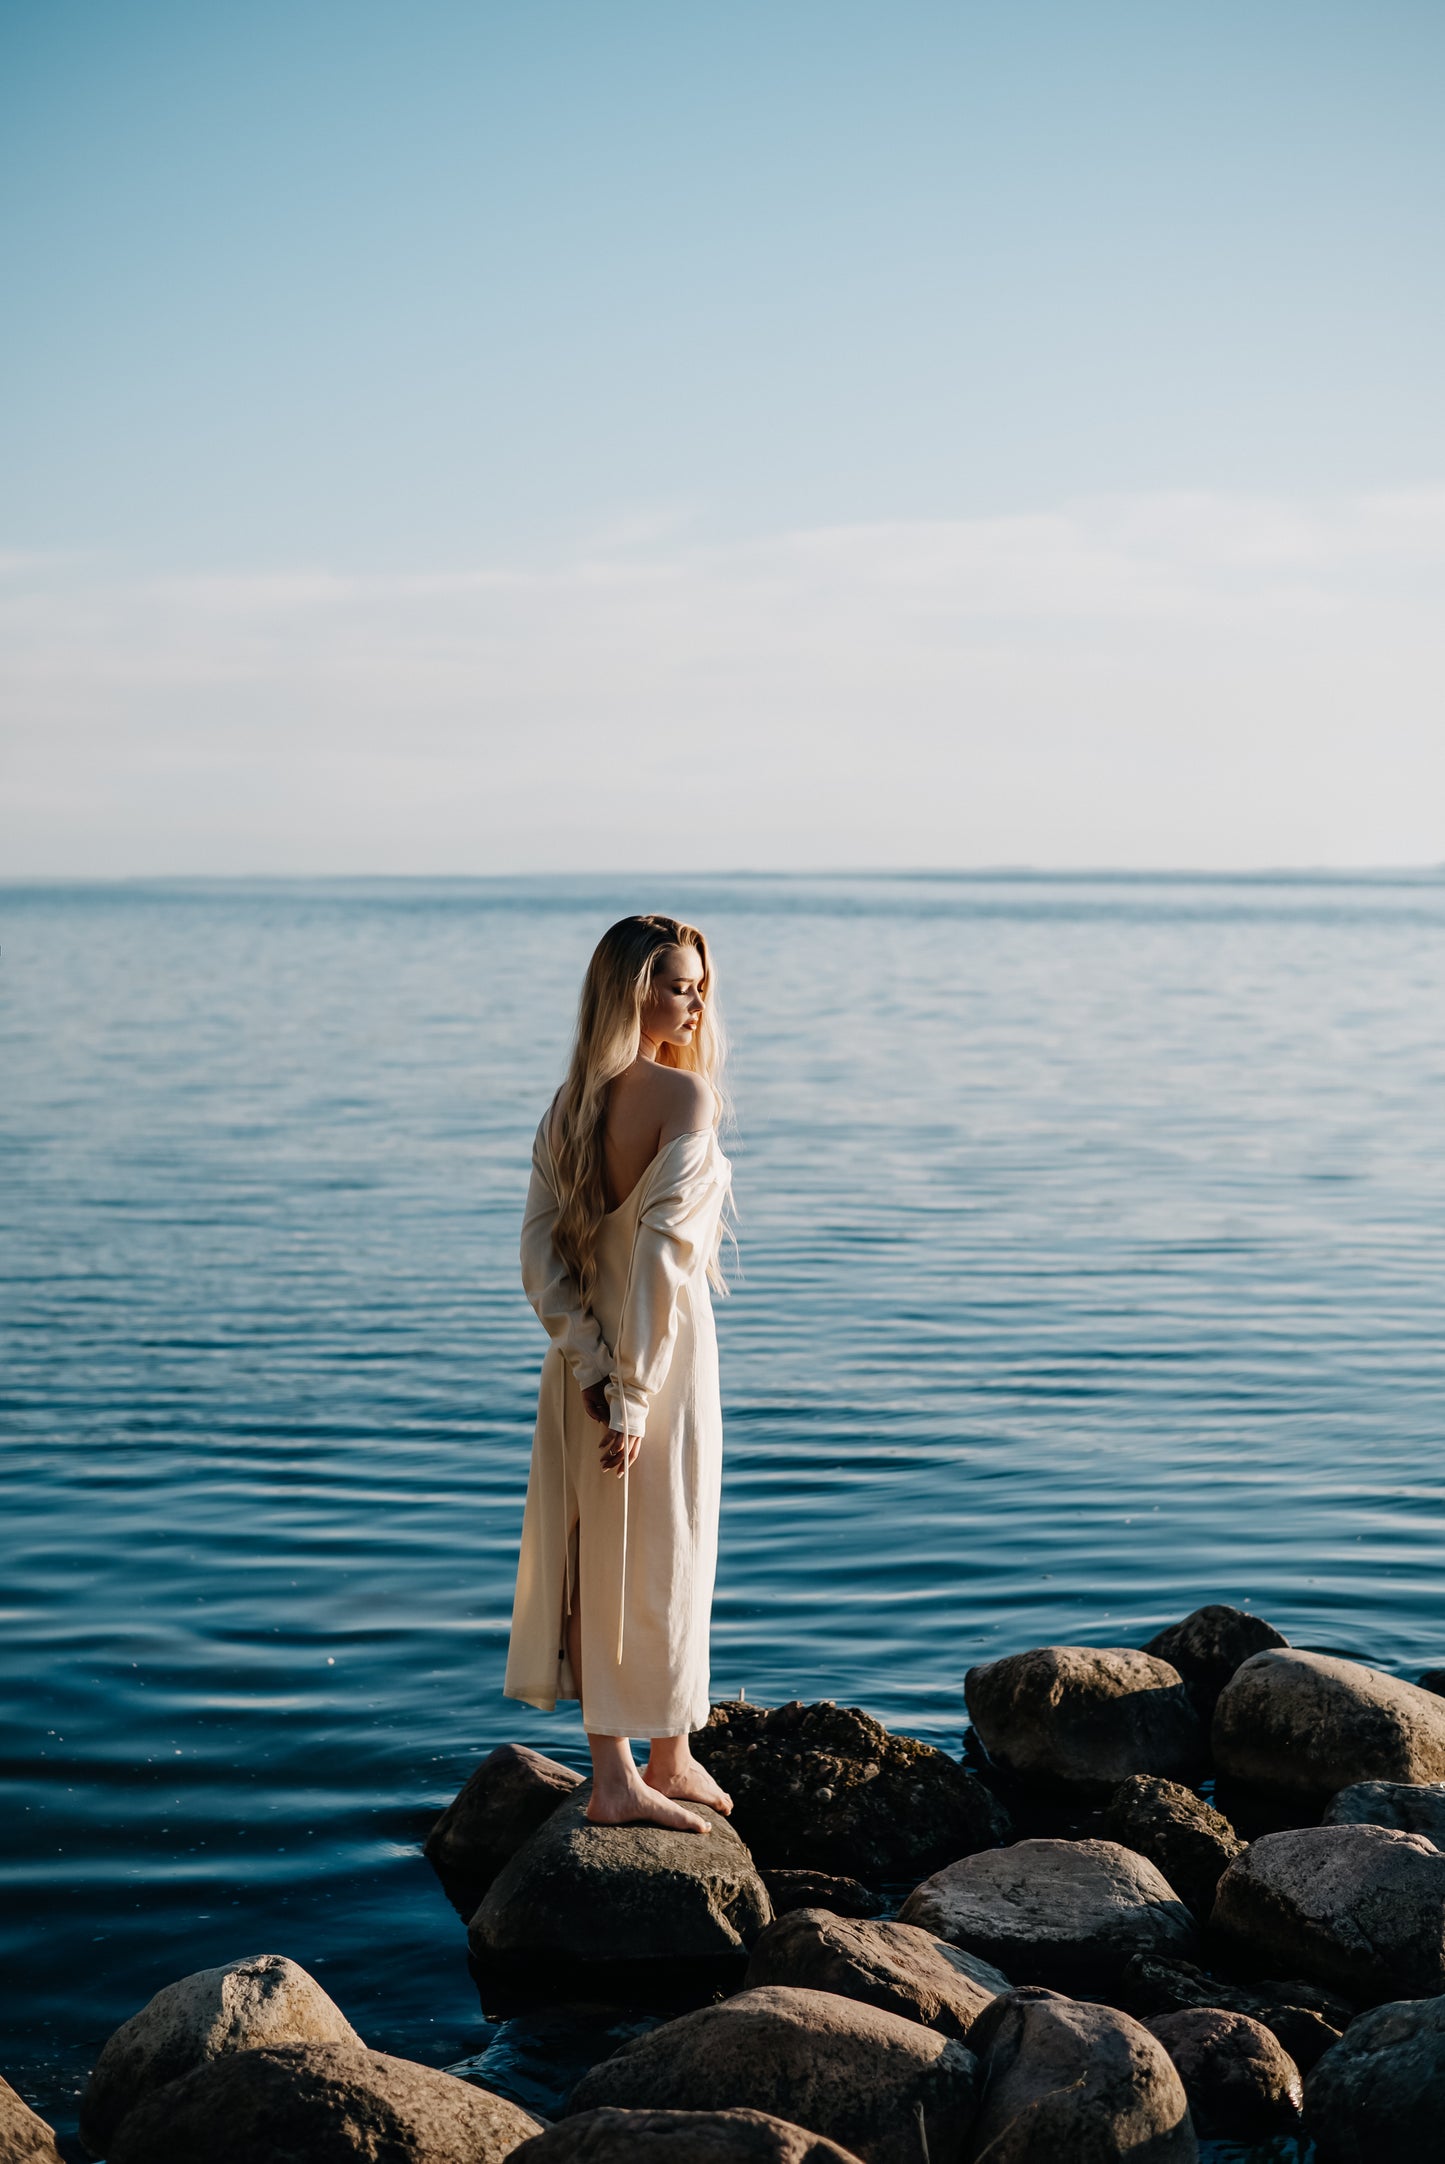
(1093, 1267)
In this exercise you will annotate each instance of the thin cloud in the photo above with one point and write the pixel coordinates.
(1171, 678)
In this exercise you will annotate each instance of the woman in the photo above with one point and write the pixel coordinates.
(619, 1242)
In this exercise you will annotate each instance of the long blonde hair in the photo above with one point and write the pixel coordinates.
(615, 990)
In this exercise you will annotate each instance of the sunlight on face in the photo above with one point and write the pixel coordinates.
(673, 1010)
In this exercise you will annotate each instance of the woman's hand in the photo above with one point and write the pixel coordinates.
(611, 1447)
(594, 1397)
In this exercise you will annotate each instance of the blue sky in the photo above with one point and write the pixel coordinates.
(379, 379)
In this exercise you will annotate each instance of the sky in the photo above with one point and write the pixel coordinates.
(488, 436)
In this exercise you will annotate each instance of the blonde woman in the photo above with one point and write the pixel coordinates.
(619, 1243)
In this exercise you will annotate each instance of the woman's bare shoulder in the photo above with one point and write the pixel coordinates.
(685, 1101)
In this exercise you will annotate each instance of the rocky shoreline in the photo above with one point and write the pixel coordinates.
(1190, 1891)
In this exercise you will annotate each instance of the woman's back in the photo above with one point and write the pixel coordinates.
(648, 1106)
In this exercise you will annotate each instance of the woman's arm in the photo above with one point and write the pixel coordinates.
(677, 1226)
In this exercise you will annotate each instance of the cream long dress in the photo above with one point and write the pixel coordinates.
(638, 1554)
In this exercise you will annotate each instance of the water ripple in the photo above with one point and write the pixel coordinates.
(1093, 1264)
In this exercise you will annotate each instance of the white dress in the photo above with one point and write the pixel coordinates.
(639, 1553)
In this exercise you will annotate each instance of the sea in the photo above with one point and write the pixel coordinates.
(1090, 1266)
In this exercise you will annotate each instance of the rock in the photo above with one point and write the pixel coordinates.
(680, 2137)
(1379, 2096)
(501, 1805)
(896, 1966)
(1209, 1645)
(1241, 2083)
(1312, 1724)
(1433, 1679)
(259, 2000)
(788, 1890)
(622, 1893)
(1084, 1716)
(850, 2072)
(328, 2103)
(24, 2136)
(1189, 1841)
(1391, 1803)
(1305, 2035)
(1064, 2080)
(1054, 1912)
(1359, 1909)
(827, 1788)
(1303, 2018)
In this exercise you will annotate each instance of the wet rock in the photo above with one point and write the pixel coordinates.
(328, 2103)
(1433, 1679)
(896, 1966)
(1084, 1716)
(851, 2072)
(261, 1999)
(1358, 1909)
(1305, 2019)
(1063, 1913)
(614, 1894)
(1379, 2096)
(536, 2059)
(788, 1890)
(1186, 1838)
(1391, 1803)
(680, 2137)
(1209, 1645)
(1312, 1724)
(1065, 2080)
(828, 1788)
(501, 1805)
(24, 2136)
(1241, 2083)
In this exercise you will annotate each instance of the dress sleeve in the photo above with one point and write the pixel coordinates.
(677, 1236)
(550, 1285)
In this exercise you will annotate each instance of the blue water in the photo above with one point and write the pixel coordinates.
(1093, 1243)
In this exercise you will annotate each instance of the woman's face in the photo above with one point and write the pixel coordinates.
(673, 1009)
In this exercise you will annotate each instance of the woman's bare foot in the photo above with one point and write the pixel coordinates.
(687, 1781)
(623, 1802)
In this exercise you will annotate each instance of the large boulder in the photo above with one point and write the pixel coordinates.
(1209, 1645)
(867, 2079)
(24, 2136)
(1082, 2082)
(502, 1803)
(1312, 1724)
(1241, 2083)
(1084, 1716)
(1186, 1838)
(1065, 1913)
(328, 2103)
(1391, 1803)
(261, 1999)
(896, 1966)
(828, 1788)
(680, 2137)
(1379, 2096)
(611, 1894)
(1358, 1909)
